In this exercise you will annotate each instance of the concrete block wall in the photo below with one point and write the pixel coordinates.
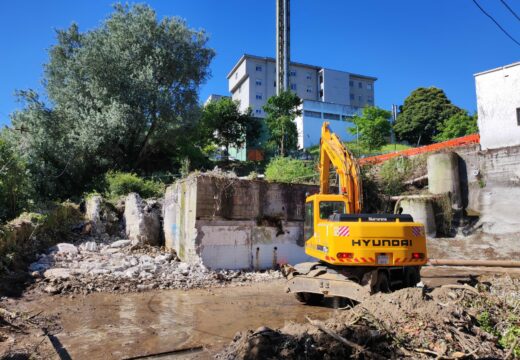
(490, 180)
(235, 224)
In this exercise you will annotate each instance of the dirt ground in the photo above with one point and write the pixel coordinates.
(119, 326)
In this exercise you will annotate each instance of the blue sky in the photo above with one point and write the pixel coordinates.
(405, 43)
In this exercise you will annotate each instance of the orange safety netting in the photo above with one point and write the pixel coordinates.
(461, 141)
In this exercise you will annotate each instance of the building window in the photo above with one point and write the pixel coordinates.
(518, 116)
(360, 98)
(321, 94)
(347, 118)
(309, 89)
(236, 75)
(369, 86)
(258, 67)
(274, 83)
(351, 83)
(360, 85)
(370, 100)
(258, 111)
(352, 97)
(314, 114)
(309, 76)
(292, 73)
(258, 96)
(330, 116)
(258, 82)
(293, 87)
(321, 78)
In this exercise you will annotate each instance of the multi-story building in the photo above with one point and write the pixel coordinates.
(253, 80)
(328, 95)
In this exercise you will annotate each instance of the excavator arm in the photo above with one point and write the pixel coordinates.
(334, 153)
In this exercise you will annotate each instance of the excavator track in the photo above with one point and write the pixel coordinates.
(311, 281)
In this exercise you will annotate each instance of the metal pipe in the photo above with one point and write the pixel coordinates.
(484, 263)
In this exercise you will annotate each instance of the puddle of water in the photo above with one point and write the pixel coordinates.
(112, 326)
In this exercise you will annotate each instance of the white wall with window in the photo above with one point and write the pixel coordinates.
(315, 113)
(498, 102)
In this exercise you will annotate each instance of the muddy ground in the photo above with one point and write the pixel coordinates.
(117, 326)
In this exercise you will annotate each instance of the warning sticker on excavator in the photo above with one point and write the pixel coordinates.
(341, 231)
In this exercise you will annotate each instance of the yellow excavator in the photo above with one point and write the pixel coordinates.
(357, 254)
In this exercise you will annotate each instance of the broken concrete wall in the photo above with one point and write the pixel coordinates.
(491, 180)
(142, 220)
(235, 224)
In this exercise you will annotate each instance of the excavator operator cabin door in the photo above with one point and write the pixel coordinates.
(308, 224)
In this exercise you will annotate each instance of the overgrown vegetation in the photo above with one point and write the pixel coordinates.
(120, 184)
(34, 232)
(393, 174)
(285, 169)
(15, 187)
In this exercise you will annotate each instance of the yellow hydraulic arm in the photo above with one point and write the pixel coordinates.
(333, 152)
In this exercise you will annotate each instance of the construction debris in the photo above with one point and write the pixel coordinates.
(122, 265)
(450, 322)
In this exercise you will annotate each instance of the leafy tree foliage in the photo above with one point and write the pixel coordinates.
(15, 189)
(286, 169)
(281, 110)
(457, 125)
(373, 126)
(422, 114)
(122, 96)
(227, 123)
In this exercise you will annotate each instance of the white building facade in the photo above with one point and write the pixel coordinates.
(328, 95)
(315, 113)
(498, 102)
(253, 80)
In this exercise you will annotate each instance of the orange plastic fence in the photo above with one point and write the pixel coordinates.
(465, 140)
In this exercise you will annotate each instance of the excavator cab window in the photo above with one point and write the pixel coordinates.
(328, 208)
(308, 225)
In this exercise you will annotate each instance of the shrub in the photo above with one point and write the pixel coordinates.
(284, 169)
(393, 173)
(121, 184)
(15, 185)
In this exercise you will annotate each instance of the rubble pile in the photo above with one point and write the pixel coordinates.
(451, 322)
(124, 265)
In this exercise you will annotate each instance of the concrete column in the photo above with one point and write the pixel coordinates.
(443, 176)
(421, 210)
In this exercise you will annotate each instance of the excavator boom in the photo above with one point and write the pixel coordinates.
(332, 152)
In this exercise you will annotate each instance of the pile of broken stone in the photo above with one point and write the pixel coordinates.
(121, 265)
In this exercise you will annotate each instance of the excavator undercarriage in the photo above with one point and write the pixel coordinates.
(311, 281)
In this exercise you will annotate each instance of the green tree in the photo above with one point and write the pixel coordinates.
(227, 123)
(15, 189)
(373, 126)
(281, 110)
(421, 115)
(457, 125)
(124, 96)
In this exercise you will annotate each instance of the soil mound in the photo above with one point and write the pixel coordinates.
(451, 322)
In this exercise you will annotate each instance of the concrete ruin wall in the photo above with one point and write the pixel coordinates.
(491, 182)
(235, 224)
